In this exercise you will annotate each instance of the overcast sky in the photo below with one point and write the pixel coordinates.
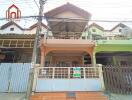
(100, 9)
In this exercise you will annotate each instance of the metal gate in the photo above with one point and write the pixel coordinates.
(14, 77)
(118, 79)
(52, 79)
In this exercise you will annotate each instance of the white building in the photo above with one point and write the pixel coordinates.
(13, 28)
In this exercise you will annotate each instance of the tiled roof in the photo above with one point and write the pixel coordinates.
(14, 23)
(9, 24)
(68, 7)
(119, 25)
(96, 25)
(35, 25)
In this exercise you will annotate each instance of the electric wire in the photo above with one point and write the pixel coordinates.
(94, 20)
(36, 3)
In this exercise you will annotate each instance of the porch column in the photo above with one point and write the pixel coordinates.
(93, 59)
(83, 59)
(42, 61)
(114, 60)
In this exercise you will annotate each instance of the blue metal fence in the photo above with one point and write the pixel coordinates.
(14, 77)
(4, 77)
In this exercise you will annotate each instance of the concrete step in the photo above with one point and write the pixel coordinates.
(63, 96)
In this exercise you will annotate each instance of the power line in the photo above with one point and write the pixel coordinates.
(12, 1)
(36, 3)
(23, 17)
(84, 20)
(68, 19)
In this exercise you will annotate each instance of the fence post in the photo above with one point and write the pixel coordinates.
(84, 72)
(101, 78)
(53, 73)
(35, 77)
(9, 77)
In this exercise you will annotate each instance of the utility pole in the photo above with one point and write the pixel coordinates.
(35, 50)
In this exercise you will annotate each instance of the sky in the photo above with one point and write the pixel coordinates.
(100, 9)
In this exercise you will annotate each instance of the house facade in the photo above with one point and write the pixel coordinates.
(70, 49)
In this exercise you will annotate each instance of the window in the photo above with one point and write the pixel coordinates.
(11, 29)
(83, 37)
(93, 30)
(120, 30)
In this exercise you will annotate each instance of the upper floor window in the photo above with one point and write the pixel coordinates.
(120, 30)
(11, 29)
(93, 30)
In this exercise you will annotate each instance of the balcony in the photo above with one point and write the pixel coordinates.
(16, 40)
(70, 40)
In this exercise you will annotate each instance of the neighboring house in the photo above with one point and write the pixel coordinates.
(13, 37)
(94, 31)
(11, 27)
(121, 29)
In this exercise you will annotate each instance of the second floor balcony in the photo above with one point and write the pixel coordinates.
(72, 39)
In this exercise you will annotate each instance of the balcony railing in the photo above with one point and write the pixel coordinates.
(69, 65)
(16, 43)
(69, 72)
(63, 37)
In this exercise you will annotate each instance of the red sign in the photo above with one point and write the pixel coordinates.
(13, 13)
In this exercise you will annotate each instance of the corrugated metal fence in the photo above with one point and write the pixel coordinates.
(14, 77)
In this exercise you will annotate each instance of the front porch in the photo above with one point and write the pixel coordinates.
(67, 56)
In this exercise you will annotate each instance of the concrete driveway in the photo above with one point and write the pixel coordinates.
(12, 96)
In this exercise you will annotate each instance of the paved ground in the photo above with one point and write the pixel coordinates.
(12, 96)
(121, 97)
(20, 96)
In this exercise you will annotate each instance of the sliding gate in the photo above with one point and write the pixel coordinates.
(118, 79)
(14, 77)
